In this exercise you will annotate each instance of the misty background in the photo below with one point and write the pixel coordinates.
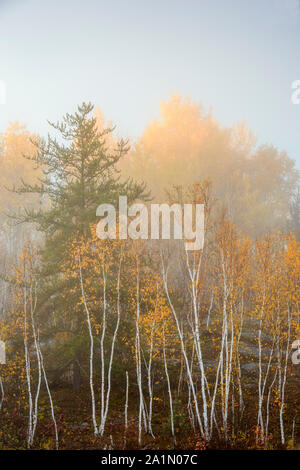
(238, 57)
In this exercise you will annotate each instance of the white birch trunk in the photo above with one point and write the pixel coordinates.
(126, 411)
(169, 388)
(107, 398)
(187, 365)
(91, 378)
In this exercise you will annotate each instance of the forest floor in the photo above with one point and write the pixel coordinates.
(73, 413)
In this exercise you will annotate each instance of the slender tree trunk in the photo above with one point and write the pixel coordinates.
(107, 398)
(284, 378)
(2, 393)
(102, 345)
(169, 387)
(142, 416)
(91, 380)
(150, 381)
(187, 365)
(126, 411)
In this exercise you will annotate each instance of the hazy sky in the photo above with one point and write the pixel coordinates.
(240, 56)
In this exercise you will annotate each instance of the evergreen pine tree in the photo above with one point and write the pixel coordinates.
(79, 173)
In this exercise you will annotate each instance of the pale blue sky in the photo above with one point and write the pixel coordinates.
(240, 56)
